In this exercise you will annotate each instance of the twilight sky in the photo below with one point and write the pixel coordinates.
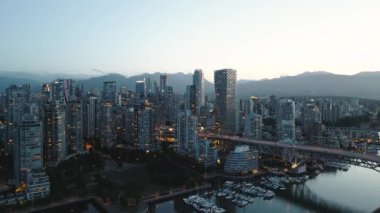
(260, 39)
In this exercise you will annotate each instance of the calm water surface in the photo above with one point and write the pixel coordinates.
(357, 190)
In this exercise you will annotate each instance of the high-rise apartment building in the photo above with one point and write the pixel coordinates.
(54, 134)
(186, 132)
(198, 82)
(286, 115)
(145, 128)
(226, 100)
(109, 92)
(163, 85)
(140, 87)
(92, 117)
(253, 126)
(15, 100)
(28, 147)
(190, 99)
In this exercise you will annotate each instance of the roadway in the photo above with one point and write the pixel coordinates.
(314, 149)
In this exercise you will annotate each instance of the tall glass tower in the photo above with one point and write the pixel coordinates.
(198, 82)
(226, 100)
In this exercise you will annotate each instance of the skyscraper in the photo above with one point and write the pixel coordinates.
(28, 157)
(92, 117)
(16, 98)
(109, 92)
(198, 82)
(74, 116)
(225, 100)
(74, 126)
(253, 126)
(286, 115)
(28, 148)
(148, 86)
(145, 128)
(54, 134)
(186, 132)
(190, 99)
(140, 87)
(108, 123)
(163, 84)
(58, 92)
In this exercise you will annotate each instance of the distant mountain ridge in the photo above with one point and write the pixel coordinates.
(364, 84)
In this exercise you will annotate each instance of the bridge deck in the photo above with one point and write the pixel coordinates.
(315, 149)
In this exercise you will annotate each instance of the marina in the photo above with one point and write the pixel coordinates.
(325, 192)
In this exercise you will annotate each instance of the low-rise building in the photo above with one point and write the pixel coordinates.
(242, 160)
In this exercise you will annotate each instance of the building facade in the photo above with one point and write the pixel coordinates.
(241, 161)
(226, 100)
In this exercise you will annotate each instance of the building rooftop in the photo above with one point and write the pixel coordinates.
(243, 148)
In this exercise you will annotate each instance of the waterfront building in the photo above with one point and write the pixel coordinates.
(205, 154)
(226, 100)
(241, 160)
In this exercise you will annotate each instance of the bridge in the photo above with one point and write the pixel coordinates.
(295, 153)
(76, 154)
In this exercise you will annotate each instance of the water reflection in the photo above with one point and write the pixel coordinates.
(335, 191)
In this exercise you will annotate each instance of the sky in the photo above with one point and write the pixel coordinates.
(260, 39)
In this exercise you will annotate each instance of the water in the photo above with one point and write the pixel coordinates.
(357, 190)
(84, 207)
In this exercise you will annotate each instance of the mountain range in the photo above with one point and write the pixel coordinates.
(363, 84)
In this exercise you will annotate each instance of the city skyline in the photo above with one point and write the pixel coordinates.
(181, 106)
(169, 36)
